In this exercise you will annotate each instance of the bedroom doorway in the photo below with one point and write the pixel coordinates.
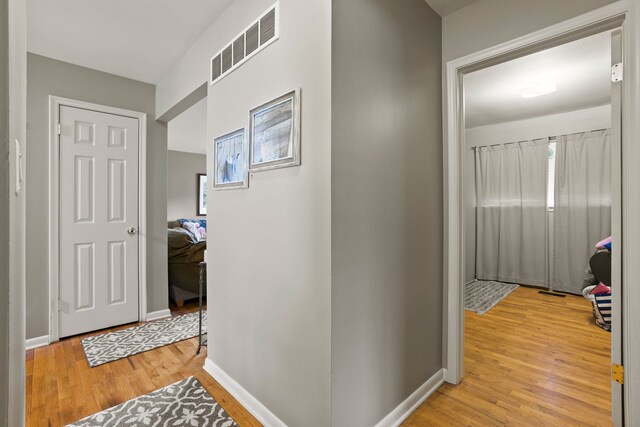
(608, 19)
(538, 129)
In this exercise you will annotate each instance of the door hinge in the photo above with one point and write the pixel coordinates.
(617, 373)
(616, 72)
(59, 129)
(60, 305)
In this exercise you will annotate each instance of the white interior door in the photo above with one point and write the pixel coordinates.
(98, 239)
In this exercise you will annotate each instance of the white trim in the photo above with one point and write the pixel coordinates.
(630, 209)
(260, 47)
(55, 102)
(250, 403)
(142, 217)
(158, 315)
(411, 403)
(453, 312)
(36, 342)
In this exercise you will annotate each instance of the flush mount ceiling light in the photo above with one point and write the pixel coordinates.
(538, 88)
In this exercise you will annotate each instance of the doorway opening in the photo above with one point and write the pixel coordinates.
(459, 72)
(186, 203)
(537, 192)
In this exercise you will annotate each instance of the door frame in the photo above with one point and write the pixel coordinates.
(55, 102)
(625, 14)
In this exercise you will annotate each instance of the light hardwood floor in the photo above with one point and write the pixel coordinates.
(533, 360)
(62, 388)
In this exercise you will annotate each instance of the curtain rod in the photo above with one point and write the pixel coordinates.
(550, 138)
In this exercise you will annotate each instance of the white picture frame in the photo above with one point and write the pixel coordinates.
(274, 133)
(230, 161)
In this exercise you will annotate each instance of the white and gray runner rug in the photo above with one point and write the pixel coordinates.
(185, 403)
(480, 296)
(112, 346)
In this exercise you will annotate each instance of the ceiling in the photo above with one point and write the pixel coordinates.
(445, 7)
(188, 131)
(581, 71)
(138, 39)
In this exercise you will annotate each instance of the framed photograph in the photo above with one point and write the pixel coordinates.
(230, 161)
(202, 194)
(274, 133)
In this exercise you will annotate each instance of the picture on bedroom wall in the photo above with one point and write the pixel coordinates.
(230, 161)
(202, 194)
(274, 133)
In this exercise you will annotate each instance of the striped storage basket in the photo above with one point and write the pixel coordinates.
(602, 310)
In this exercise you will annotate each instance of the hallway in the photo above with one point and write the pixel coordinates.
(62, 388)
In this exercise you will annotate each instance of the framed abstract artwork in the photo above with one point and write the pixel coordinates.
(202, 194)
(230, 161)
(274, 133)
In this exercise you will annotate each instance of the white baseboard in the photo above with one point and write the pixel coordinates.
(250, 403)
(157, 315)
(404, 409)
(36, 342)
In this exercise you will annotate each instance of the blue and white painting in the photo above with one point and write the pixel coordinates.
(272, 133)
(230, 160)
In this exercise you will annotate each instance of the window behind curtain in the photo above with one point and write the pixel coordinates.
(551, 176)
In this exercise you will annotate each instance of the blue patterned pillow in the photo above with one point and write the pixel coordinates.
(203, 222)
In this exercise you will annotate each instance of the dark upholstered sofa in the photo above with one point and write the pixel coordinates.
(185, 255)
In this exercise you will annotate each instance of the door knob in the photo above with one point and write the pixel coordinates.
(131, 230)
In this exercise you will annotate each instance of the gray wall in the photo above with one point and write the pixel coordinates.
(486, 23)
(182, 188)
(269, 319)
(386, 205)
(12, 209)
(5, 226)
(5, 248)
(50, 77)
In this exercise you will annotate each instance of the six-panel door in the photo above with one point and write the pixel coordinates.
(98, 220)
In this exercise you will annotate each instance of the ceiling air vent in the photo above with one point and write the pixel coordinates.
(267, 27)
(252, 38)
(238, 50)
(258, 35)
(226, 59)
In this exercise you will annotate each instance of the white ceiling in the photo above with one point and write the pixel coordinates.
(138, 39)
(445, 7)
(581, 71)
(188, 131)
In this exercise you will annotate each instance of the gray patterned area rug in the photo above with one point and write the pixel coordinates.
(480, 296)
(112, 346)
(185, 403)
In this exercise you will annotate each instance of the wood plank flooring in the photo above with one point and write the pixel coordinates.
(531, 360)
(62, 388)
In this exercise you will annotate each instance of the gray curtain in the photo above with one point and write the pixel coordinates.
(512, 221)
(582, 214)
